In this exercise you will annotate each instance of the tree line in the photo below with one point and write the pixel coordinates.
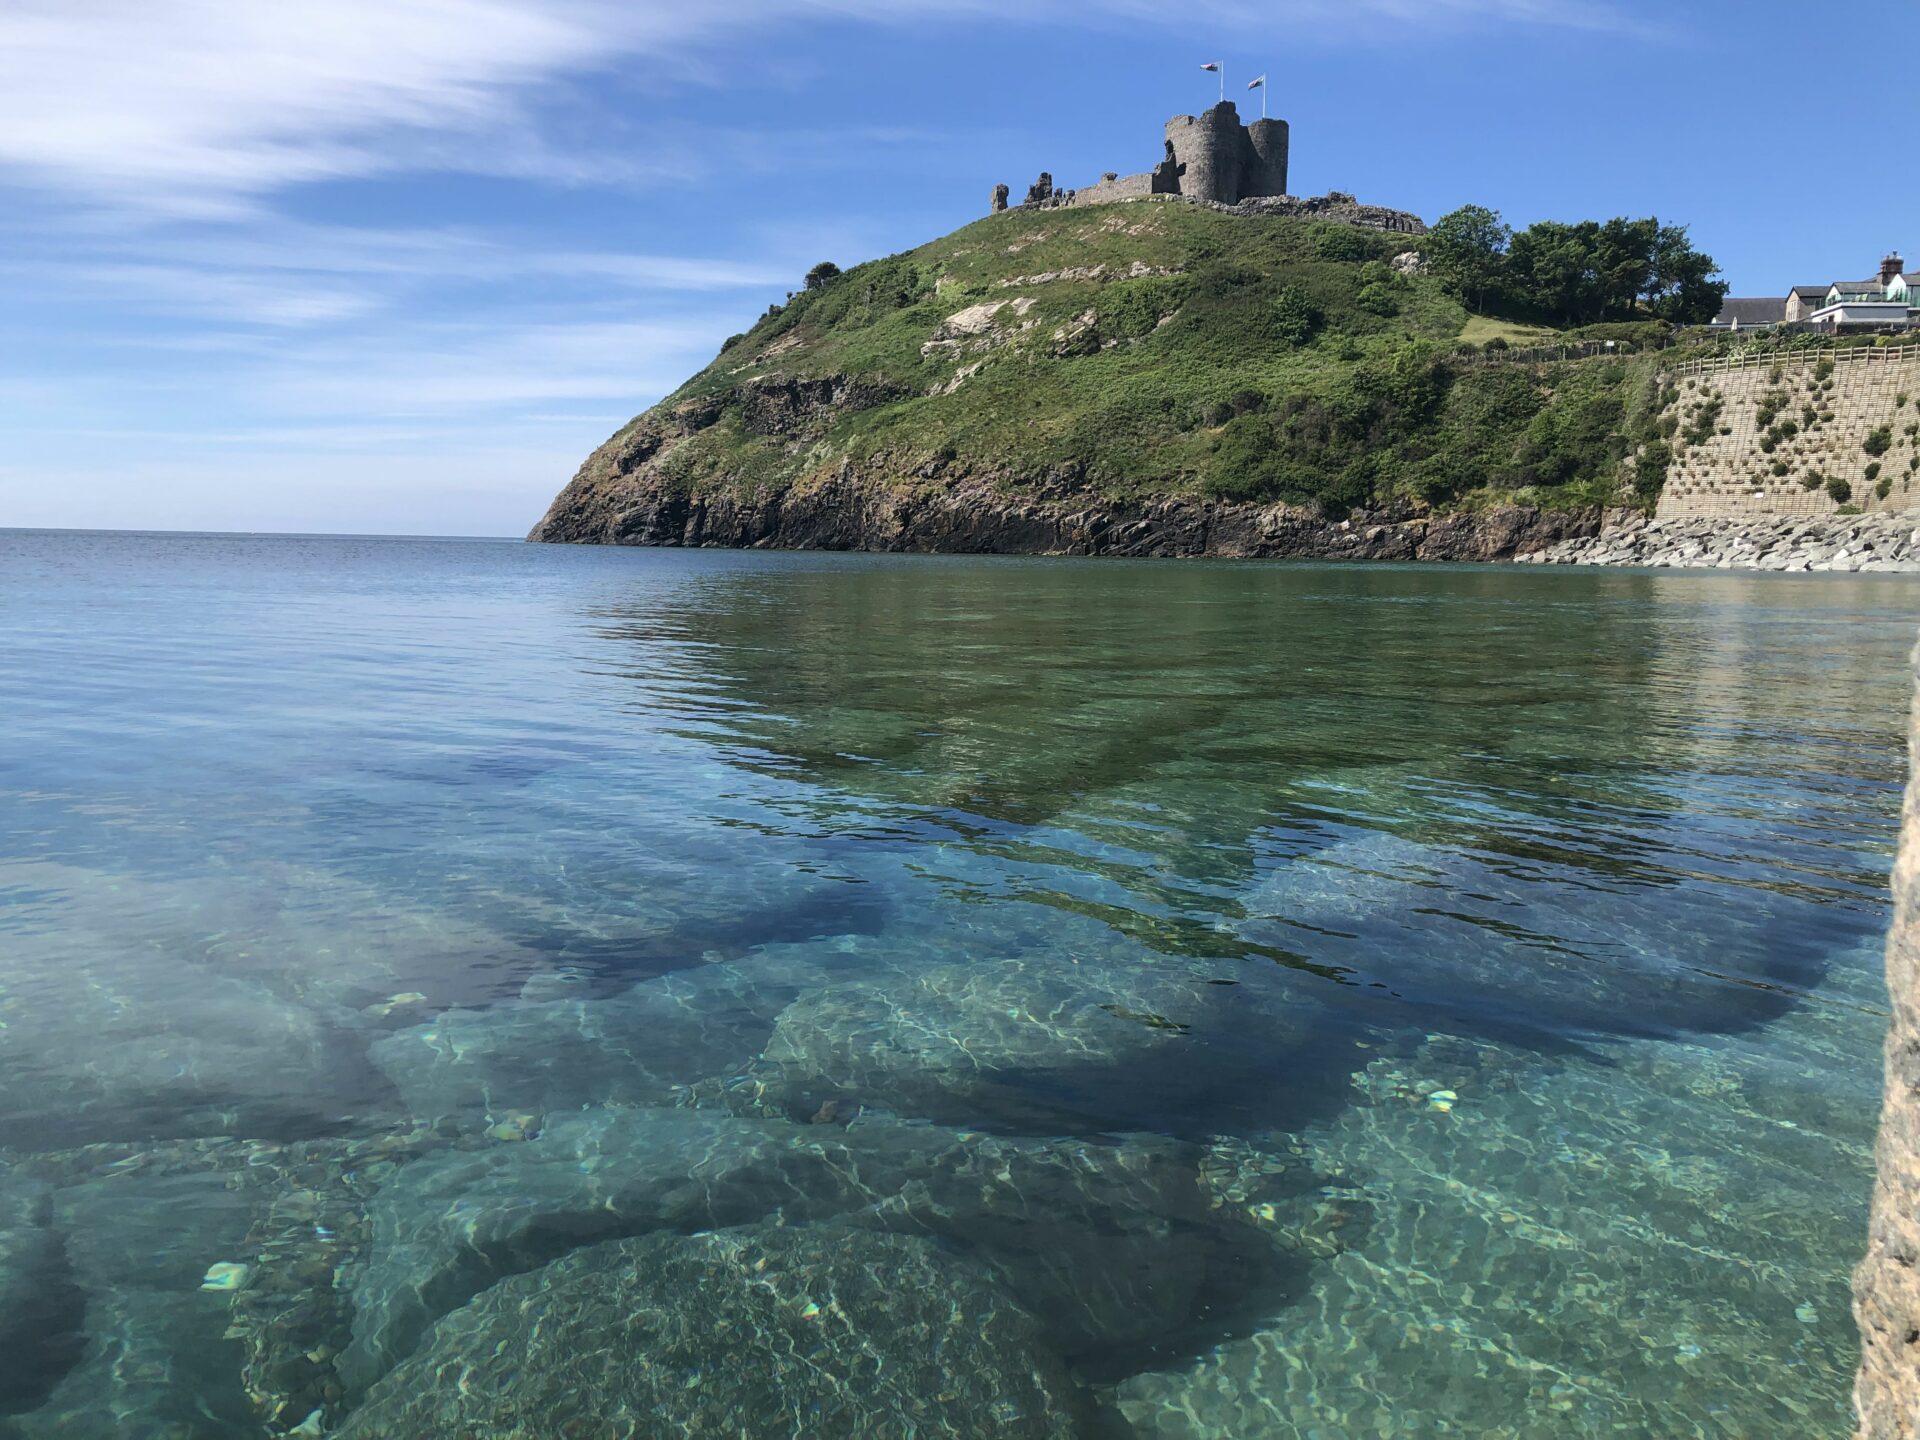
(1574, 274)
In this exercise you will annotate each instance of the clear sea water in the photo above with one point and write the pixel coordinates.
(448, 986)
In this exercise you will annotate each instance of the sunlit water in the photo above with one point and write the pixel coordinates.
(632, 993)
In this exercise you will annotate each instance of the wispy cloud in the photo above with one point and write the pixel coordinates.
(200, 106)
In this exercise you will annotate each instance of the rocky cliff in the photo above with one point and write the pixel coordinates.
(621, 498)
(1886, 1286)
(1122, 379)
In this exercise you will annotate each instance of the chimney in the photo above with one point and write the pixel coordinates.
(1890, 267)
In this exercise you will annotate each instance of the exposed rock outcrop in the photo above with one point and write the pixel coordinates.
(1886, 1286)
(618, 499)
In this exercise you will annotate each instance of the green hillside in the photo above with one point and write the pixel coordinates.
(1139, 350)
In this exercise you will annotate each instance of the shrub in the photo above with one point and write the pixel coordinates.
(1883, 489)
(1782, 468)
(1824, 370)
(1295, 317)
(1873, 471)
(1878, 441)
(1650, 469)
(1497, 344)
(820, 274)
(1839, 489)
(1334, 241)
(1378, 299)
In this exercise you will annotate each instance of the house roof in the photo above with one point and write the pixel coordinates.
(1752, 312)
(1811, 292)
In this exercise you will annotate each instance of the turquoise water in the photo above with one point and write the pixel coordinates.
(630, 993)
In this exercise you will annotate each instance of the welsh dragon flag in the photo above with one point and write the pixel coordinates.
(1212, 66)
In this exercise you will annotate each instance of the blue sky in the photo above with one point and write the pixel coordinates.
(398, 265)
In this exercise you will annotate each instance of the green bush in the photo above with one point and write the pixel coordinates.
(1878, 441)
(1839, 489)
(1650, 469)
(1883, 489)
(1873, 470)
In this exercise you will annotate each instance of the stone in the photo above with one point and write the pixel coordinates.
(1000, 194)
(1041, 191)
(1110, 1241)
(772, 1331)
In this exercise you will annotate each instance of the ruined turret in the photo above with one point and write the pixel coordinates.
(1218, 159)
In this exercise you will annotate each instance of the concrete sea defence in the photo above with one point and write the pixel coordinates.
(1796, 433)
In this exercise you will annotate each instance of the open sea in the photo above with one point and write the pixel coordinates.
(459, 988)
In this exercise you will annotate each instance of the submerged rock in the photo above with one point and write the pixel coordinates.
(568, 1052)
(1037, 1043)
(156, 1360)
(1115, 1242)
(769, 1331)
(1508, 945)
(37, 1309)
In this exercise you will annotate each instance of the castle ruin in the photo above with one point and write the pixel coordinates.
(1212, 159)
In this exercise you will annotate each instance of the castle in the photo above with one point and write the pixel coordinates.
(1212, 159)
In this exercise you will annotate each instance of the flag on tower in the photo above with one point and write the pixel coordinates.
(1259, 84)
(1212, 66)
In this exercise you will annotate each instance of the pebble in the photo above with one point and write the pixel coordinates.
(226, 1276)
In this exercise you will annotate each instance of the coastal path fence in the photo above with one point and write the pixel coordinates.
(1812, 355)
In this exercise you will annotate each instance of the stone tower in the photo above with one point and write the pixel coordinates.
(1268, 174)
(1217, 158)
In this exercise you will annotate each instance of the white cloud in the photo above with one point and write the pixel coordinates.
(200, 106)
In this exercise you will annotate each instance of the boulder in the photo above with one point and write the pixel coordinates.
(772, 1331)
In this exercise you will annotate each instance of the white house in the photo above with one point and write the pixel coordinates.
(1886, 300)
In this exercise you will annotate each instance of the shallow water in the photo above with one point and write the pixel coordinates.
(1157, 1000)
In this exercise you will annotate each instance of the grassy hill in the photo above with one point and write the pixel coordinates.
(1124, 353)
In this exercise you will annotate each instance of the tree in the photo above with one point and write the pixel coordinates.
(1685, 288)
(820, 274)
(1467, 250)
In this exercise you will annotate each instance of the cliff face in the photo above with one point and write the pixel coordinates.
(1886, 1286)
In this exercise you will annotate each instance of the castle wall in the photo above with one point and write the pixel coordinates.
(1732, 475)
(1121, 187)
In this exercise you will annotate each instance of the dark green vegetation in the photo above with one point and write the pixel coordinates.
(1580, 274)
(1141, 350)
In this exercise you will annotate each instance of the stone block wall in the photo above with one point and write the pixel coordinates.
(1121, 187)
(1821, 409)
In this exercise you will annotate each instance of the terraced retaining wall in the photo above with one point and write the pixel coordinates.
(1763, 435)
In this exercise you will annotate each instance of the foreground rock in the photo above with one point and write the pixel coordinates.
(1109, 1242)
(1842, 542)
(761, 1332)
(1886, 1286)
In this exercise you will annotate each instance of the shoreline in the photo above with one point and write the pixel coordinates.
(1878, 543)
